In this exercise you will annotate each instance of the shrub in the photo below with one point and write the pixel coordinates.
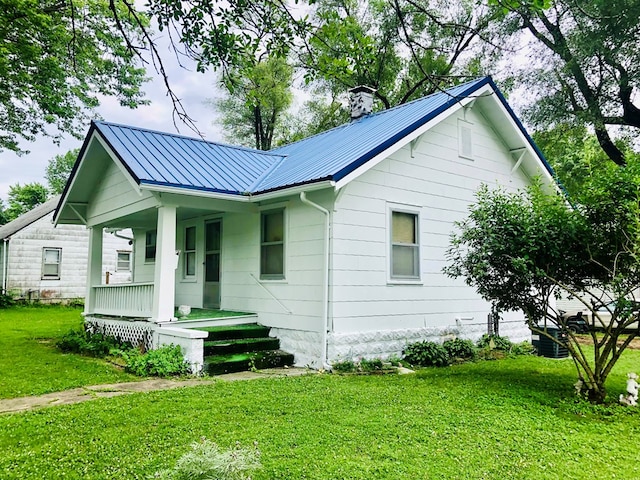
(459, 348)
(6, 300)
(206, 460)
(346, 366)
(85, 343)
(162, 362)
(494, 342)
(426, 354)
(523, 348)
(374, 365)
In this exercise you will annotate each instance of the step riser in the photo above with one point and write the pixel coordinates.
(268, 361)
(242, 347)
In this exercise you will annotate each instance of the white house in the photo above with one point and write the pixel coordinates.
(41, 262)
(336, 242)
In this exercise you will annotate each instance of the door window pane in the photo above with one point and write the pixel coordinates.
(212, 267)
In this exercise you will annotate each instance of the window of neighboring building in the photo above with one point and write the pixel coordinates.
(272, 245)
(123, 263)
(51, 258)
(190, 252)
(405, 249)
(150, 246)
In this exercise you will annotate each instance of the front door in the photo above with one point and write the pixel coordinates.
(212, 242)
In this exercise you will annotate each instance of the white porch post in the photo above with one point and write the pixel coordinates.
(94, 267)
(165, 277)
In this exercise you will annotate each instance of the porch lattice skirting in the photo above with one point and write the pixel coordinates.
(136, 333)
(152, 335)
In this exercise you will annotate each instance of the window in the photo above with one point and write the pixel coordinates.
(405, 249)
(123, 263)
(51, 263)
(272, 245)
(150, 246)
(190, 252)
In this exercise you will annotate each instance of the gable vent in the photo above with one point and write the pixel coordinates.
(465, 139)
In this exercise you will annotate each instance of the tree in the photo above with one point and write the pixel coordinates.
(3, 214)
(405, 49)
(258, 95)
(576, 156)
(59, 169)
(23, 198)
(585, 68)
(519, 250)
(57, 57)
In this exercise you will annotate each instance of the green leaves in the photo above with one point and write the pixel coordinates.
(56, 58)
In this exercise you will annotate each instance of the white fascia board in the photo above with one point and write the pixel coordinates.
(246, 198)
(194, 193)
(308, 187)
(413, 135)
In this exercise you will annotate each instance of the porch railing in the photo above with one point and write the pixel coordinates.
(124, 300)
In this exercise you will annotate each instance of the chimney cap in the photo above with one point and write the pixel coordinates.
(362, 89)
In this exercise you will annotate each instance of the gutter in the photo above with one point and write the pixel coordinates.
(5, 266)
(325, 287)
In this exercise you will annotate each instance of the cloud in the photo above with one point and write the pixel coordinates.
(193, 88)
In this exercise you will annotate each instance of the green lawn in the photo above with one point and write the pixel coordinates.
(31, 364)
(507, 419)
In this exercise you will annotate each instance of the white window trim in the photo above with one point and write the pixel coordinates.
(44, 255)
(185, 276)
(285, 228)
(128, 269)
(414, 210)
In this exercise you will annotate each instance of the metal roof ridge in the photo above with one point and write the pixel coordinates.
(98, 123)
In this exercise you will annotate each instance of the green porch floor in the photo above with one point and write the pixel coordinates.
(199, 313)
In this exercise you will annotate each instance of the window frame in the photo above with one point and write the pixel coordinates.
(392, 277)
(283, 242)
(129, 254)
(46, 276)
(190, 252)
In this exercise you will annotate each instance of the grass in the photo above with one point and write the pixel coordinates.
(30, 362)
(510, 419)
(514, 418)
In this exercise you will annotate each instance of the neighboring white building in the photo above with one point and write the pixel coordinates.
(337, 242)
(41, 262)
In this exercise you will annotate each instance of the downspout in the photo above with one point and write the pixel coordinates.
(5, 267)
(325, 288)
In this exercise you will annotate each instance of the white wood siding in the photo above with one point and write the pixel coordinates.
(114, 196)
(301, 291)
(24, 276)
(435, 180)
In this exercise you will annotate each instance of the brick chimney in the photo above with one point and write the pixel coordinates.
(361, 101)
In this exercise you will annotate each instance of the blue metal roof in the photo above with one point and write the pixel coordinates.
(156, 158)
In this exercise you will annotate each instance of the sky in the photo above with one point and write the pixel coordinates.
(193, 88)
